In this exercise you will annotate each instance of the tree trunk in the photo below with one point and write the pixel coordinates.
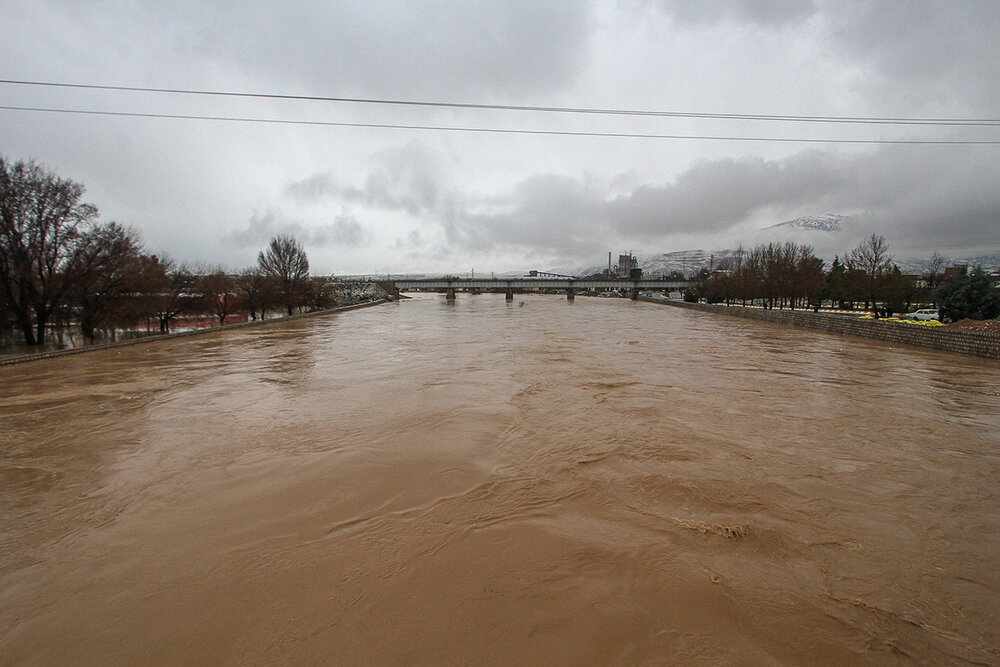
(29, 332)
(87, 328)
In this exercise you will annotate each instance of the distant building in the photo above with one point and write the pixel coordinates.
(628, 267)
(956, 271)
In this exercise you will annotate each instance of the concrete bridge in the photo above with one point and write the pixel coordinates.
(508, 285)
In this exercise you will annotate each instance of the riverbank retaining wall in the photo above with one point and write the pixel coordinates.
(958, 341)
(10, 361)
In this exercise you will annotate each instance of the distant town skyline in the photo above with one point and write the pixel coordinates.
(750, 132)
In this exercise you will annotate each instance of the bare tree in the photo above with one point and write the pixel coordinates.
(934, 273)
(783, 267)
(218, 294)
(935, 269)
(255, 289)
(320, 294)
(166, 289)
(286, 263)
(42, 220)
(109, 257)
(872, 263)
(6, 319)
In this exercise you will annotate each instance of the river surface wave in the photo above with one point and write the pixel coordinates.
(590, 482)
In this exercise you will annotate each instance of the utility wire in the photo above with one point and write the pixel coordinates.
(494, 130)
(872, 120)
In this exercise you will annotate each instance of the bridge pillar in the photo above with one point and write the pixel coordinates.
(570, 296)
(509, 294)
(635, 293)
(450, 294)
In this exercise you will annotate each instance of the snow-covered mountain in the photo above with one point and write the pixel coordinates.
(829, 222)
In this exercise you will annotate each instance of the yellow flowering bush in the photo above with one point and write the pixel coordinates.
(921, 323)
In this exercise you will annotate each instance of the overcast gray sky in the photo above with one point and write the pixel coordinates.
(365, 200)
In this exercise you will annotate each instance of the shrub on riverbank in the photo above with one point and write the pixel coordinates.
(898, 320)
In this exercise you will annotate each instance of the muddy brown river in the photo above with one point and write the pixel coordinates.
(597, 482)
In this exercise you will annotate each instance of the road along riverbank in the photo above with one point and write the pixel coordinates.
(958, 341)
(25, 358)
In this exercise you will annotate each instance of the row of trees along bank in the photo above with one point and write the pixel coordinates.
(776, 275)
(61, 266)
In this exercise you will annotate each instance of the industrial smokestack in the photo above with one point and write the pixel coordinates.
(609, 263)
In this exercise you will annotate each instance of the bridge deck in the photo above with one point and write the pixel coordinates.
(545, 283)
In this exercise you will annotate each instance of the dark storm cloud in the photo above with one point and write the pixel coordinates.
(453, 48)
(317, 188)
(922, 197)
(543, 213)
(552, 212)
(761, 12)
(345, 230)
(934, 198)
(408, 179)
(935, 51)
(908, 54)
(716, 195)
(261, 227)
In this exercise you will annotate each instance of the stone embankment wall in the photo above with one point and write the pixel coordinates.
(10, 361)
(975, 343)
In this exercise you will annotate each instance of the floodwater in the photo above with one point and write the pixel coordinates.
(597, 482)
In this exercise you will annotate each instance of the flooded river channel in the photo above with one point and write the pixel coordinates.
(590, 482)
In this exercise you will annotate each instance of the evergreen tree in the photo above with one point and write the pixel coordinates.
(969, 294)
(836, 284)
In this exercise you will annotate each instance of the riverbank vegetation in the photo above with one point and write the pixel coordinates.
(776, 275)
(62, 268)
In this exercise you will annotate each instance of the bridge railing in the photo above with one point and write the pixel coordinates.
(538, 282)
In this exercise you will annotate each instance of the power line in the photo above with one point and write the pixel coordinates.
(495, 130)
(874, 120)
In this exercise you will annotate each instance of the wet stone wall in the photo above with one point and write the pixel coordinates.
(974, 343)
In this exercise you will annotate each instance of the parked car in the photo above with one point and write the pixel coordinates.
(924, 314)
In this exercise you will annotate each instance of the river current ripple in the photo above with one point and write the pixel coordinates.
(590, 482)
